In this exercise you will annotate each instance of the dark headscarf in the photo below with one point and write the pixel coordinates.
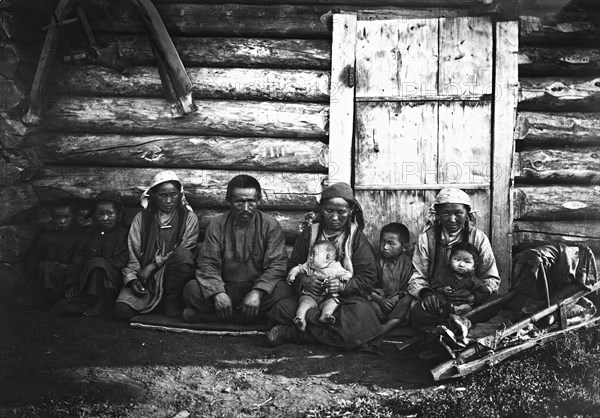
(344, 191)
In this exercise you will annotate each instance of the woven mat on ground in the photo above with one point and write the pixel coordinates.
(164, 323)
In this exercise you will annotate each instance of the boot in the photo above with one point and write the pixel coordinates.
(281, 334)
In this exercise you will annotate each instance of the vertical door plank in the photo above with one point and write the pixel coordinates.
(465, 56)
(396, 143)
(418, 70)
(341, 111)
(377, 58)
(409, 207)
(505, 113)
(464, 142)
(397, 58)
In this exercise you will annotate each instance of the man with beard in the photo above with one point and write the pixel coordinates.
(243, 262)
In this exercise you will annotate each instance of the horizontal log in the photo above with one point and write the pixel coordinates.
(575, 229)
(559, 94)
(11, 94)
(209, 83)
(18, 165)
(549, 61)
(218, 19)
(16, 199)
(558, 165)
(359, 3)
(265, 20)
(16, 241)
(312, 54)
(554, 203)
(540, 31)
(290, 221)
(204, 188)
(541, 129)
(524, 240)
(181, 151)
(214, 117)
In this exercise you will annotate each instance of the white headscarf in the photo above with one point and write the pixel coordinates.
(163, 177)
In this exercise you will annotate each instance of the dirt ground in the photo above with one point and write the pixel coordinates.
(56, 366)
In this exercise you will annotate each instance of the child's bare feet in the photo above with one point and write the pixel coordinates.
(98, 308)
(300, 323)
(327, 318)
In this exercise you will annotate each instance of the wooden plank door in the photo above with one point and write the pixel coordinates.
(424, 119)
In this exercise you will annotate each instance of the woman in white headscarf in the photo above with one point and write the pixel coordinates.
(452, 222)
(161, 241)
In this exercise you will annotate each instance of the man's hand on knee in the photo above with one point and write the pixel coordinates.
(251, 303)
(223, 306)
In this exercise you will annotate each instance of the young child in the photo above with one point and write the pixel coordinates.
(94, 278)
(390, 298)
(83, 217)
(321, 260)
(50, 260)
(460, 275)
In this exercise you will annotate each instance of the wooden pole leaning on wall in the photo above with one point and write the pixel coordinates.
(505, 111)
(36, 97)
(341, 98)
(175, 80)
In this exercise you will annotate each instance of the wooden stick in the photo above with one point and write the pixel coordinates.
(196, 331)
(441, 371)
(36, 97)
(490, 303)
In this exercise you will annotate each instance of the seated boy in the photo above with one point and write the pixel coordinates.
(321, 260)
(390, 298)
(50, 260)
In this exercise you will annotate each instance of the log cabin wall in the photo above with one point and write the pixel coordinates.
(261, 77)
(557, 160)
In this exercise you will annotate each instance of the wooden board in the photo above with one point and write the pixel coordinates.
(215, 117)
(396, 143)
(341, 99)
(464, 145)
(557, 203)
(465, 61)
(559, 94)
(181, 151)
(204, 188)
(541, 129)
(568, 165)
(209, 83)
(389, 65)
(506, 81)
(299, 54)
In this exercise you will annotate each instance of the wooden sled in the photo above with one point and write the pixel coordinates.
(489, 350)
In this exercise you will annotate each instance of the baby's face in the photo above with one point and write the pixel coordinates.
(319, 258)
(462, 263)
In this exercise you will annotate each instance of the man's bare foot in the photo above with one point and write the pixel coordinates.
(300, 323)
(327, 319)
(99, 307)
